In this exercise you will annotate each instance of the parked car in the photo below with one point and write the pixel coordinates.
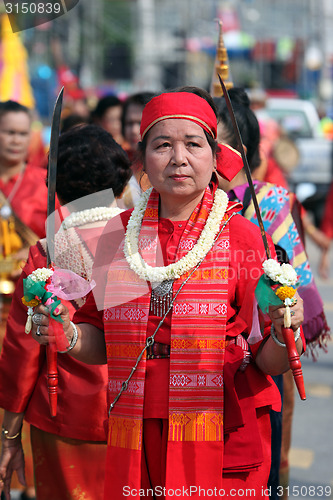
(312, 175)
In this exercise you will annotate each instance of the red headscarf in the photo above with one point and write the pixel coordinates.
(189, 106)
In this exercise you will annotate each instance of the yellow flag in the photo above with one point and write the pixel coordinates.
(14, 72)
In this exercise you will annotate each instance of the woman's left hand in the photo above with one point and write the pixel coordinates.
(40, 330)
(276, 314)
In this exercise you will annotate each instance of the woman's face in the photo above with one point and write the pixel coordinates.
(178, 159)
(14, 138)
(111, 121)
(132, 125)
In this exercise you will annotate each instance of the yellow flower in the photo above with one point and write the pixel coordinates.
(30, 303)
(285, 292)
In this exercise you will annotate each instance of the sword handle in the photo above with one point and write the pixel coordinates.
(294, 361)
(52, 377)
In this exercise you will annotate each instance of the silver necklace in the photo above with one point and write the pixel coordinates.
(161, 297)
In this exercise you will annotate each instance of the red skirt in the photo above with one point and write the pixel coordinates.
(239, 484)
(67, 468)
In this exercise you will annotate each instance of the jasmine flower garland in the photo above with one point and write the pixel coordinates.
(90, 215)
(190, 260)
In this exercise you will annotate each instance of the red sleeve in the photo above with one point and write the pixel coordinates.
(247, 253)
(30, 201)
(89, 313)
(267, 332)
(21, 356)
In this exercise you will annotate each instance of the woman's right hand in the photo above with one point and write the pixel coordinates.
(43, 323)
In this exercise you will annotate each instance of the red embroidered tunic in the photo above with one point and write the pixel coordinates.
(246, 256)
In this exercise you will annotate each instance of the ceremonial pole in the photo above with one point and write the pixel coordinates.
(288, 333)
(51, 348)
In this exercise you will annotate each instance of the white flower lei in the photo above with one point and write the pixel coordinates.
(90, 215)
(190, 260)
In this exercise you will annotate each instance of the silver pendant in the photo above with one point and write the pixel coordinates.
(5, 212)
(161, 297)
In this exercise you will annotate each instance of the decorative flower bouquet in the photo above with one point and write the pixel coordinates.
(276, 287)
(48, 286)
(285, 277)
(36, 291)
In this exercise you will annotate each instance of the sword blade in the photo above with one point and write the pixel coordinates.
(246, 166)
(52, 177)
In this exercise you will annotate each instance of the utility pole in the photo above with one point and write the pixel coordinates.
(91, 47)
(147, 74)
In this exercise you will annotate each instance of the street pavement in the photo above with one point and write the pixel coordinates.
(311, 455)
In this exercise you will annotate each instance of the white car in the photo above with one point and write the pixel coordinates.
(312, 175)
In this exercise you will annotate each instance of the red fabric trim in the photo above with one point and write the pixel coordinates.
(181, 105)
(228, 162)
(256, 479)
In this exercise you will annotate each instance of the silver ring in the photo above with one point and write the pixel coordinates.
(37, 318)
(38, 331)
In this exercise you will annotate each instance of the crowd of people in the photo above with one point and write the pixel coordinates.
(171, 376)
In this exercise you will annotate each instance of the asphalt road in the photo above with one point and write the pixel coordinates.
(311, 456)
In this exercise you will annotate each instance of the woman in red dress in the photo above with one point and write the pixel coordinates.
(189, 387)
(68, 449)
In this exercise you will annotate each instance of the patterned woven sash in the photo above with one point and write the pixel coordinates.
(196, 360)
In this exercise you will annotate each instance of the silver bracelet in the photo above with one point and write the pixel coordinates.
(297, 334)
(73, 341)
